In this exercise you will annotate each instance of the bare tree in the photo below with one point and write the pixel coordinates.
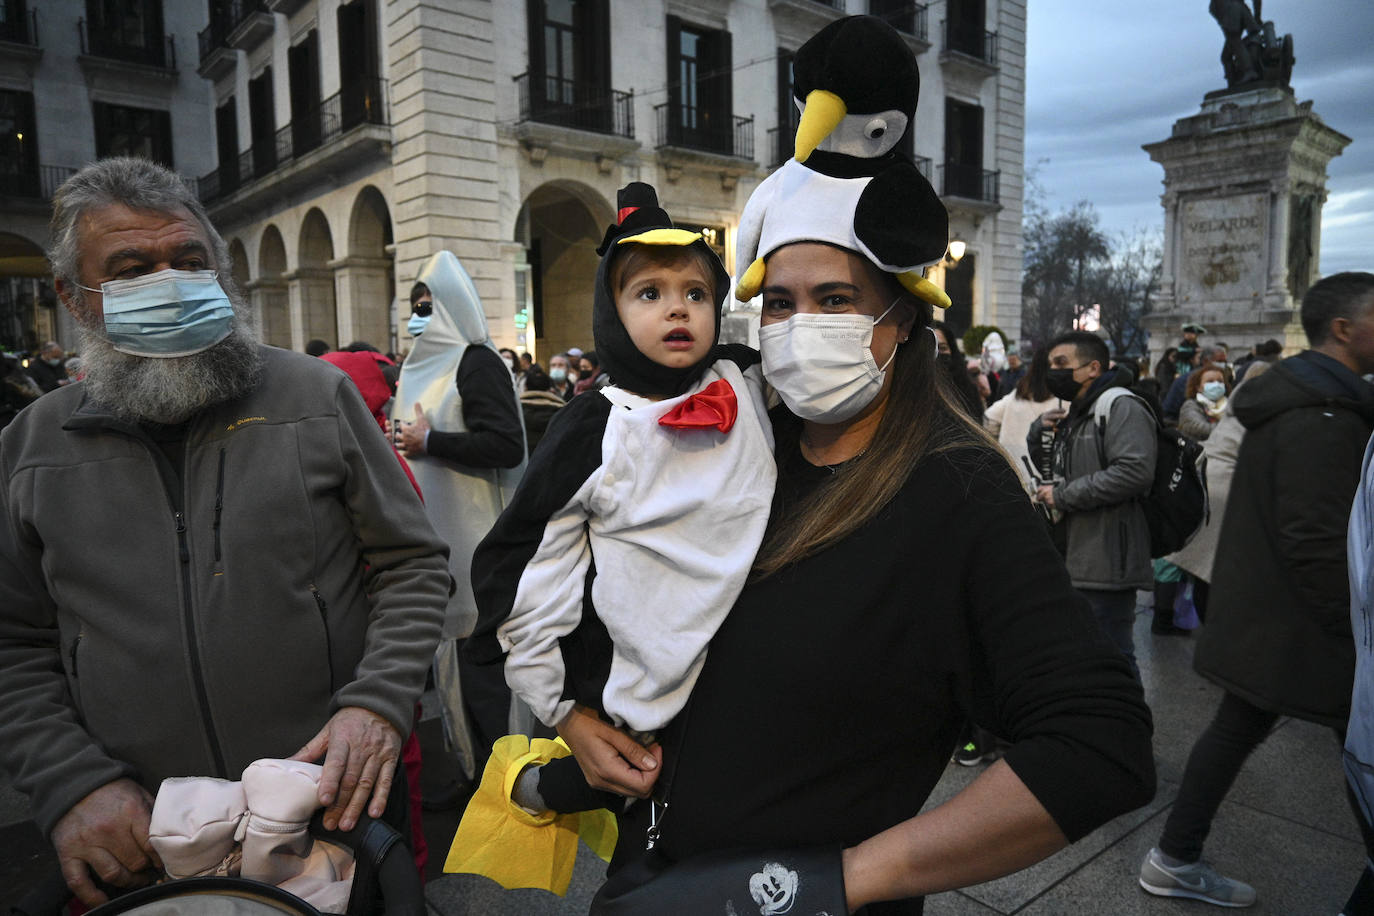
(1064, 255)
(1125, 289)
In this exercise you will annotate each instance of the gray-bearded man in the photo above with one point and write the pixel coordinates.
(208, 552)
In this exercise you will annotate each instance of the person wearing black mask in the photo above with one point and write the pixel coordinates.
(952, 360)
(1099, 472)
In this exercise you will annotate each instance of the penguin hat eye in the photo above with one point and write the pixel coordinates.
(875, 128)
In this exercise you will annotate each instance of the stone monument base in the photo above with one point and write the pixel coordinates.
(1244, 180)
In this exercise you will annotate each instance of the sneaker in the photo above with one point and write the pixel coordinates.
(1198, 881)
(970, 755)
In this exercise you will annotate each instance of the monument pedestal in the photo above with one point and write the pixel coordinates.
(1244, 184)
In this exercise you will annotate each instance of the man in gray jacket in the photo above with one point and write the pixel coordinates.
(1101, 470)
(209, 553)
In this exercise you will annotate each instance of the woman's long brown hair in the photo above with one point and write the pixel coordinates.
(921, 418)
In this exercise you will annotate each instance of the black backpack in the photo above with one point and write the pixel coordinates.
(1176, 506)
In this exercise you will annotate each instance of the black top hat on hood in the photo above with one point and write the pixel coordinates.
(643, 222)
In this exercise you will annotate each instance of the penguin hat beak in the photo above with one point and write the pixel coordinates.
(822, 113)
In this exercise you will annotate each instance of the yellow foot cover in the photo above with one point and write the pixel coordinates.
(499, 839)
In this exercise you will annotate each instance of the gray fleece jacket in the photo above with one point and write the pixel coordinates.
(158, 624)
(1101, 480)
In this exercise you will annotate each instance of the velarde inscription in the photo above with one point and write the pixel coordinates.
(1224, 245)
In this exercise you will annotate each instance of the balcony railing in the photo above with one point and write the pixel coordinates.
(833, 4)
(967, 41)
(969, 181)
(923, 165)
(571, 103)
(102, 41)
(36, 184)
(705, 129)
(17, 27)
(230, 16)
(361, 101)
(910, 18)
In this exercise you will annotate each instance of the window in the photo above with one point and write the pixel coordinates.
(959, 288)
(713, 234)
(360, 89)
(963, 170)
(699, 88)
(303, 68)
(18, 145)
(788, 116)
(14, 22)
(901, 14)
(227, 145)
(123, 131)
(965, 27)
(126, 30)
(570, 63)
(262, 124)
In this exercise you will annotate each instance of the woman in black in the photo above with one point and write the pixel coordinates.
(877, 622)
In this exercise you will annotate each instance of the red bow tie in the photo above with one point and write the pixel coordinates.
(713, 405)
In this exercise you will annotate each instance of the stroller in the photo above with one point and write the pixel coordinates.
(384, 881)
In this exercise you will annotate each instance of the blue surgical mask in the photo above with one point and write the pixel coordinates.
(558, 373)
(417, 324)
(1213, 391)
(166, 314)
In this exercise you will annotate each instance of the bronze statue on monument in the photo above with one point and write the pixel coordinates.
(1253, 52)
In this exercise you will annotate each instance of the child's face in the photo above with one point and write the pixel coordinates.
(669, 312)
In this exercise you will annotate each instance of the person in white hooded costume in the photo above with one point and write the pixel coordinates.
(466, 447)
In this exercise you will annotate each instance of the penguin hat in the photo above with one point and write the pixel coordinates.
(856, 83)
(643, 227)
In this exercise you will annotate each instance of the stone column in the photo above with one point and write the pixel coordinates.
(362, 290)
(444, 150)
(313, 313)
(269, 299)
(1280, 202)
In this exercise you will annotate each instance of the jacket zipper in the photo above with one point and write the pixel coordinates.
(219, 504)
(197, 672)
(75, 643)
(328, 640)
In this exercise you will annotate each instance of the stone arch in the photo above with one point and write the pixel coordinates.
(364, 280)
(561, 223)
(238, 261)
(269, 290)
(312, 285)
(28, 306)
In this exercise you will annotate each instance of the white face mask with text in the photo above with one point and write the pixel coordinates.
(822, 365)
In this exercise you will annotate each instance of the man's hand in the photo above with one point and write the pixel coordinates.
(609, 758)
(1045, 494)
(106, 833)
(360, 750)
(410, 437)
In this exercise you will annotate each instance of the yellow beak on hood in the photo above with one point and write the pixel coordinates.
(821, 114)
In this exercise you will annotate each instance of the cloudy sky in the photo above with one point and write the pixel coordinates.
(1104, 78)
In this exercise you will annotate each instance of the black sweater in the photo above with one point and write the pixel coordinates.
(494, 436)
(832, 696)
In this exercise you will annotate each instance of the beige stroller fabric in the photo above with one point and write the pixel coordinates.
(257, 828)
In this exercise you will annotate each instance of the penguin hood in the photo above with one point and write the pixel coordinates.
(641, 221)
(856, 83)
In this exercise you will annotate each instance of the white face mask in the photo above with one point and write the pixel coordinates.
(822, 365)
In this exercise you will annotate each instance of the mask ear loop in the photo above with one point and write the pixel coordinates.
(935, 338)
(888, 362)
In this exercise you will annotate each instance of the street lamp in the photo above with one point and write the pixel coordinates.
(957, 247)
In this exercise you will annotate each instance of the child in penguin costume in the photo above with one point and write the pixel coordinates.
(856, 84)
(636, 524)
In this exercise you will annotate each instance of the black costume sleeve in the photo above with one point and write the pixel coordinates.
(1044, 676)
(569, 453)
(495, 437)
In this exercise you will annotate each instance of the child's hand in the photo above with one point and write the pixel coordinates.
(610, 759)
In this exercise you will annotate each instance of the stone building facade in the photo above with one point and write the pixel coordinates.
(81, 79)
(352, 140)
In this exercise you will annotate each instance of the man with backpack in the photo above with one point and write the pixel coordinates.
(1278, 636)
(1101, 472)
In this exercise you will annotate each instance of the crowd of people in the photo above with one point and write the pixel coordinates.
(678, 554)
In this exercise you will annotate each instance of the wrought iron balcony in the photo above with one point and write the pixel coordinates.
(923, 165)
(35, 183)
(705, 129)
(575, 104)
(971, 182)
(907, 17)
(224, 19)
(969, 42)
(105, 40)
(16, 25)
(361, 101)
